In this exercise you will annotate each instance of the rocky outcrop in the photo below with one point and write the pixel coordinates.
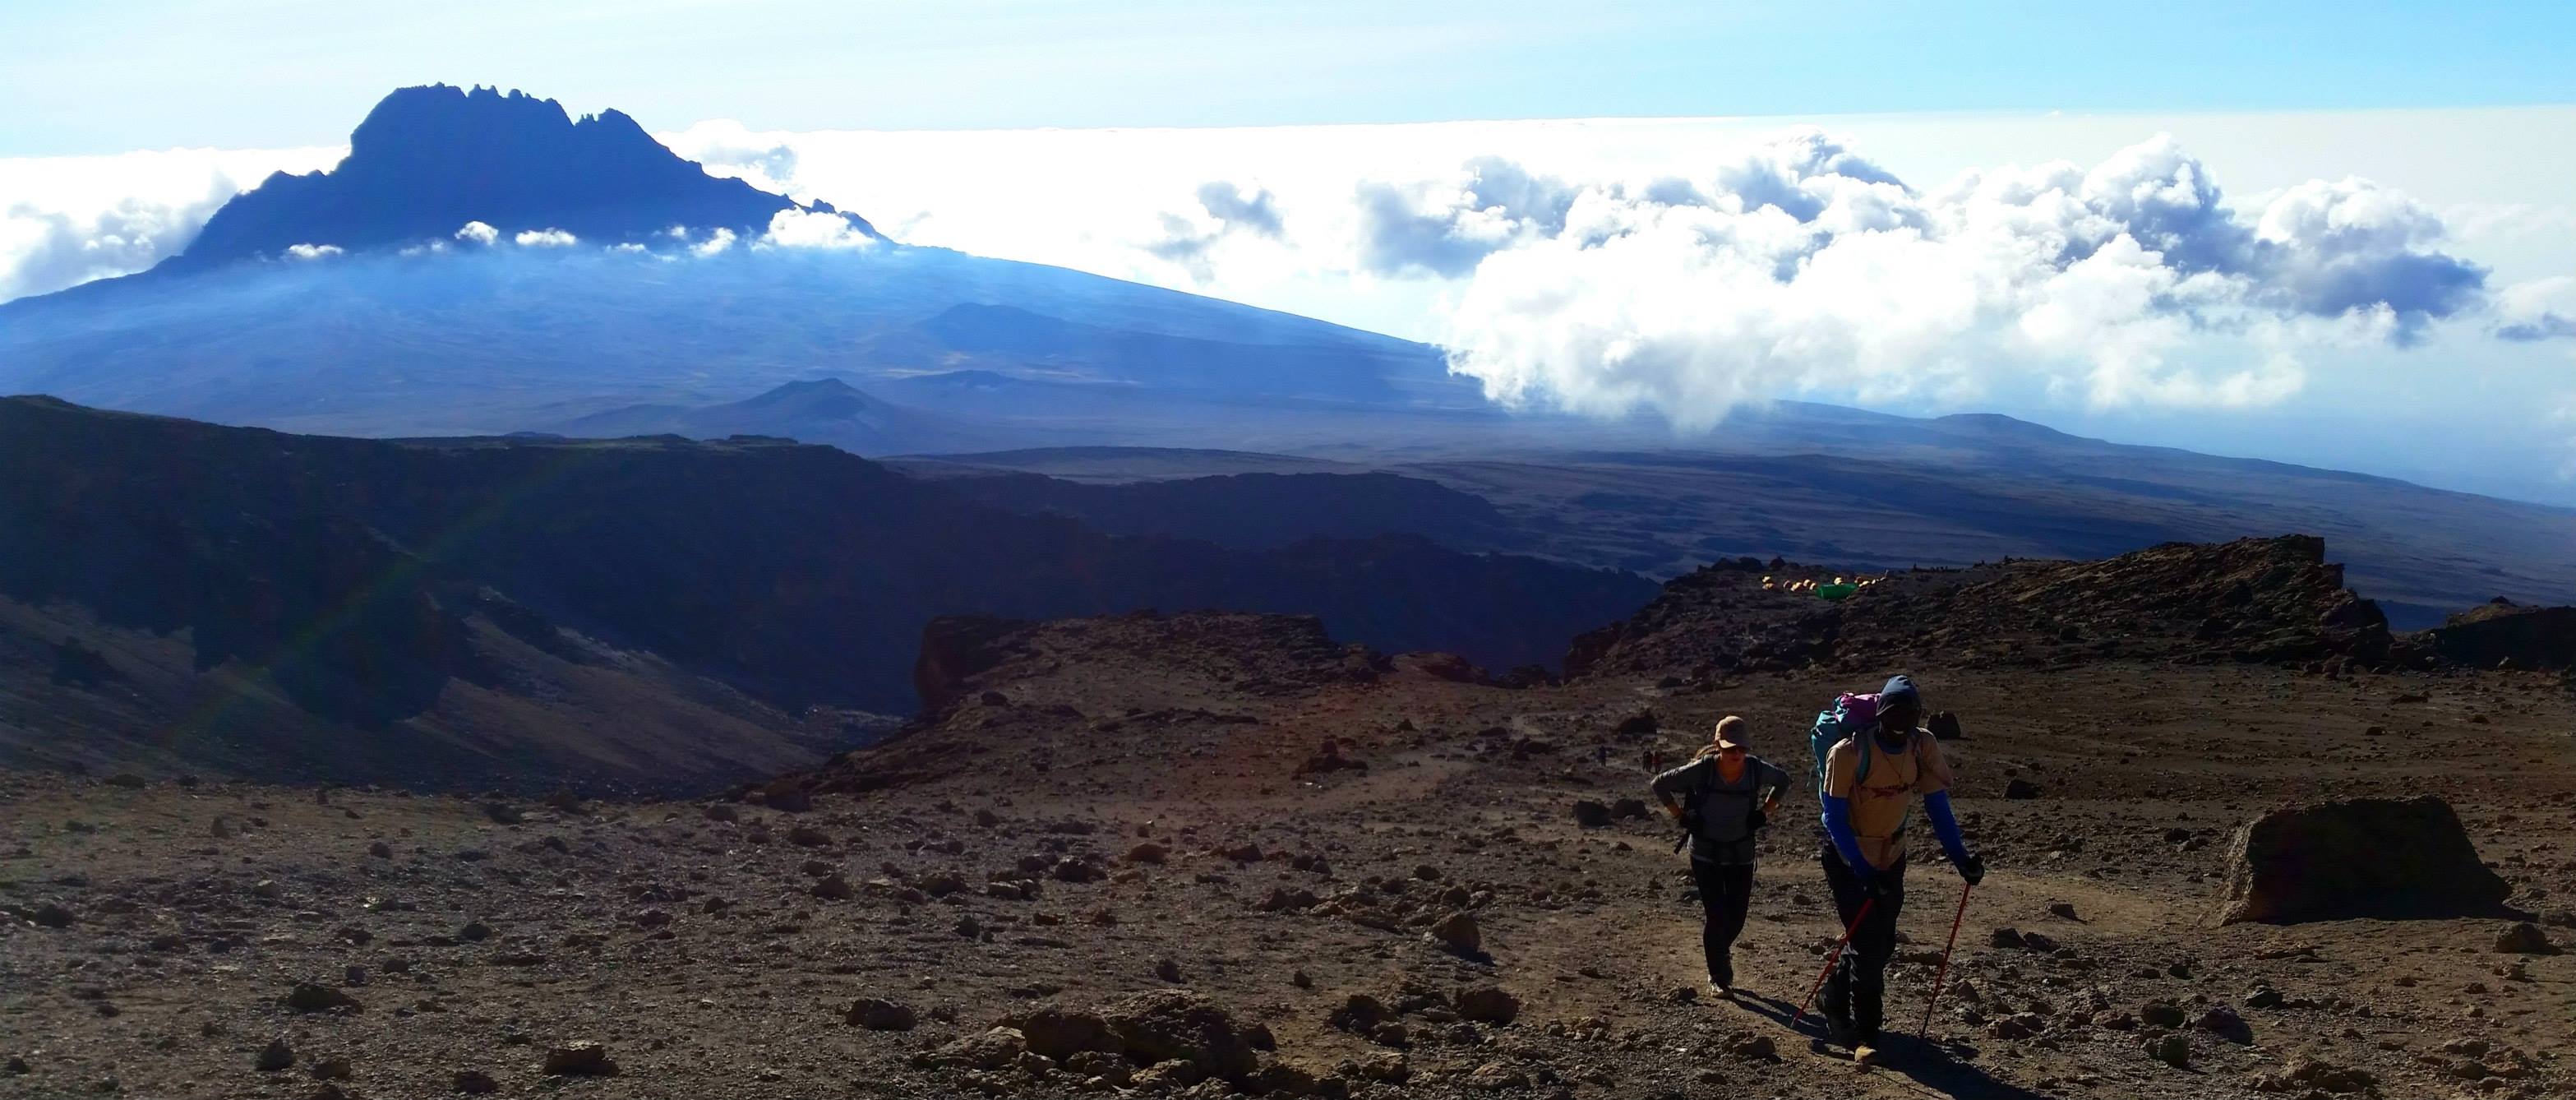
(2271, 600)
(2371, 857)
(2501, 633)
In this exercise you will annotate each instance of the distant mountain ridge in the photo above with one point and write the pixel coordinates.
(429, 159)
(346, 302)
(350, 586)
(827, 411)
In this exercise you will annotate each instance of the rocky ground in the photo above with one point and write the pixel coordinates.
(1128, 842)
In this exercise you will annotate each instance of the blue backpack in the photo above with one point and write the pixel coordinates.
(1851, 714)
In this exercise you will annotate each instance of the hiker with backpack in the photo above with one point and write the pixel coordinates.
(1872, 761)
(1727, 796)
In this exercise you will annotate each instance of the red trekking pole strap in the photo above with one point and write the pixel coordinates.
(1833, 958)
(1944, 974)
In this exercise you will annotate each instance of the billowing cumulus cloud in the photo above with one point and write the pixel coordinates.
(717, 241)
(1802, 267)
(311, 251)
(1445, 227)
(811, 229)
(477, 233)
(544, 238)
(1187, 241)
(2542, 309)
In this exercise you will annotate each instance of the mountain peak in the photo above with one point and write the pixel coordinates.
(429, 159)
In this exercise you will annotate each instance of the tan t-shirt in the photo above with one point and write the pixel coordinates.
(1879, 806)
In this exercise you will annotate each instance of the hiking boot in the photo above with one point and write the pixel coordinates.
(1866, 1055)
(1724, 991)
(1838, 1026)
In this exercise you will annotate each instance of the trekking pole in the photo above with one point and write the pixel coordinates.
(1833, 958)
(1944, 973)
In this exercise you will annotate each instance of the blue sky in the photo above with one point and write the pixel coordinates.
(108, 77)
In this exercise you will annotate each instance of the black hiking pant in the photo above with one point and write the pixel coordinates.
(1725, 891)
(1857, 991)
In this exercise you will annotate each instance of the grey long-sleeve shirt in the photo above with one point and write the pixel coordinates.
(1725, 834)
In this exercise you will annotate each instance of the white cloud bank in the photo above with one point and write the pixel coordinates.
(69, 220)
(1685, 264)
(1802, 267)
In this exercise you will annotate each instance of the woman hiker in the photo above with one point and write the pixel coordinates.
(1727, 795)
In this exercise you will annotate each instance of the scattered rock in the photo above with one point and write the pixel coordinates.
(2063, 910)
(580, 1060)
(1490, 1004)
(2524, 938)
(991, 1050)
(314, 997)
(332, 1069)
(2223, 1022)
(1591, 814)
(2173, 1050)
(2021, 789)
(1458, 933)
(474, 1081)
(54, 915)
(274, 1057)
(879, 1014)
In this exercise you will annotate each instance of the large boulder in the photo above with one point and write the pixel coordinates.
(2370, 857)
(1175, 1025)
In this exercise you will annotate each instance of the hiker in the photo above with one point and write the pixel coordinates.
(1727, 796)
(1868, 778)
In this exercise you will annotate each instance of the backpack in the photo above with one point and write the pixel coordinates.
(1850, 714)
(1853, 715)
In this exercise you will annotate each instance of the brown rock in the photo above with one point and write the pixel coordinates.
(2364, 857)
(991, 1050)
(2524, 938)
(313, 997)
(474, 1081)
(1062, 1033)
(1175, 1025)
(580, 1060)
(879, 1014)
(1490, 1004)
(274, 1057)
(1458, 933)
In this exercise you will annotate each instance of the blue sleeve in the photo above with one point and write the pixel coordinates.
(1945, 825)
(1838, 826)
